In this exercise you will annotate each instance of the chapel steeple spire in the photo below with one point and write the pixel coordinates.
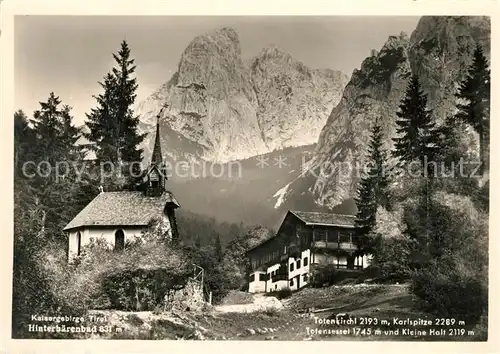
(157, 157)
(156, 174)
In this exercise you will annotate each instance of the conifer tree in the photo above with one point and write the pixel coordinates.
(418, 138)
(372, 191)
(474, 108)
(24, 139)
(55, 134)
(113, 125)
(70, 135)
(197, 242)
(218, 249)
(43, 202)
(366, 215)
(55, 184)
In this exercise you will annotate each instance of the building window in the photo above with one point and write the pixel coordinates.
(119, 240)
(291, 267)
(305, 277)
(298, 263)
(78, 243)
(331, 236)
(306, 261)
(291, 282)
(252, 277)
(154, 178)
(276, 286)
(320, 235)
(344, 238)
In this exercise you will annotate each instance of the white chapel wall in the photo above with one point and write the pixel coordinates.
(166, 224)
(104, 234)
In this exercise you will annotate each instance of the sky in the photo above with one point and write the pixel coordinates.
(69, 55)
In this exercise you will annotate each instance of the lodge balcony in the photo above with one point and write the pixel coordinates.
(278, 277)
(348, 246)
(346, 267)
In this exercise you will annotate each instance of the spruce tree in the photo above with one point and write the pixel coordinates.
(113, 125)
(452, 148)
(197, 242)
(24, 139)
(218, 249)
(70, 135)
(418, 140)
(43, 204)
(474, 108)
(56, 185)
(418, 137)
(366, 216)
(372, 191)
(49, 126)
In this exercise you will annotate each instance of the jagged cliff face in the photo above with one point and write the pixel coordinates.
(439, 51)
(294, 101)
(211, 100)
(373, 93)
(221, 109)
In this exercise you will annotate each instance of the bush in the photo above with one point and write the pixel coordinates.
(329, 274)
(281, 294)
(453, 281)
(139, 290)
(449, 292)
(78, 285)
(136, 278)
(323, 275)
(392, 259)
(271, 312)
(135, 320)
(392, 247)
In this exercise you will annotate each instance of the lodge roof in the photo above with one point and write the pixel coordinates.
(315, 218)
(325, 219)
(122, 209)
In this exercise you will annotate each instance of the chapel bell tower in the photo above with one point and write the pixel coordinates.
(156, 174)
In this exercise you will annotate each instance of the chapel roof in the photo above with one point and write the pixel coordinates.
(122, 209)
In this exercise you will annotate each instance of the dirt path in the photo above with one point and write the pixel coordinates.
(374, 313)
(387, 313)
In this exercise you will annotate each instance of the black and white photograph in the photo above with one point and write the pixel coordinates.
(251, 178)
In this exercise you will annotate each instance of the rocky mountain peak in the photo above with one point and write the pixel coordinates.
(294, 100)
(213, 62)
(396, 41)
(274, 54)
(228, 109)
(439, 52)
(273, 59)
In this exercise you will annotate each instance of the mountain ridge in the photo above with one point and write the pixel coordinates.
(234, 109)
(439, 51)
